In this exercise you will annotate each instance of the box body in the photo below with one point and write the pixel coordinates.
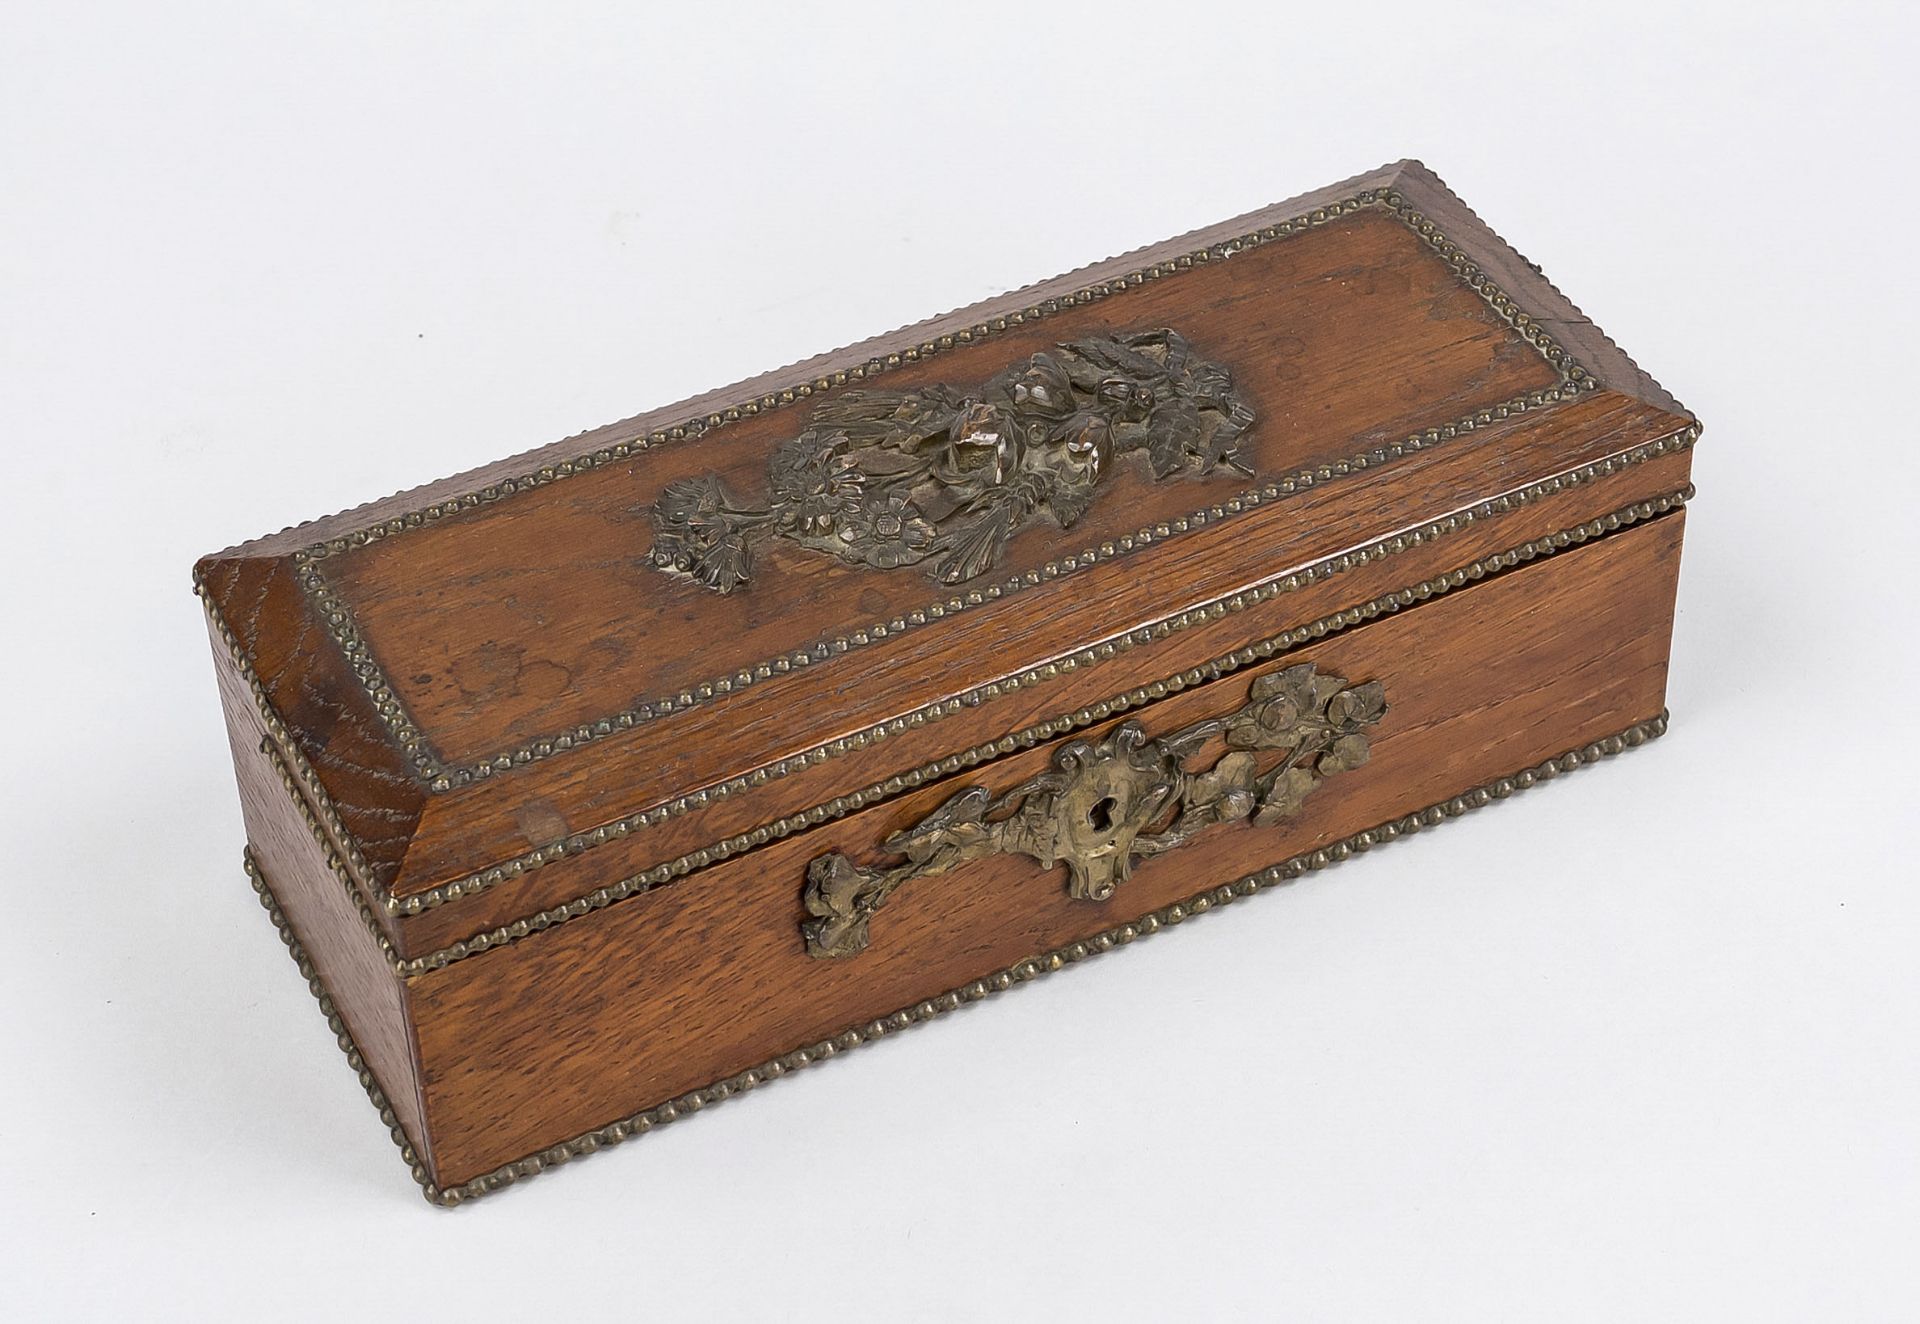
(607, 782)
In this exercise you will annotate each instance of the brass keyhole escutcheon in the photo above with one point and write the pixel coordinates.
(1109, 802)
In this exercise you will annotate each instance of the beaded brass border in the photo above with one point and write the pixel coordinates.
(648, 879)
(483, 879)
(336, 865)
(1019, 973)
(287, 749)
(439, 777)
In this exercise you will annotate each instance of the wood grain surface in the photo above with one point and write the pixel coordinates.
(370, 998)
(575, 1027)
(712, 737)
(1423, 189)
(537, 611)
(490, 647)
(519, 617)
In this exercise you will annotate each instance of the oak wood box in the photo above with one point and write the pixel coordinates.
(601, 784)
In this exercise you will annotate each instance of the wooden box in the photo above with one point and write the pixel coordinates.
(596, 786)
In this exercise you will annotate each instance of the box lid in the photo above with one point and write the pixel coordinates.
(669, 639)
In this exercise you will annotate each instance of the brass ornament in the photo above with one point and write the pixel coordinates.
(892, 478)
(439, 776)
(1104, 805)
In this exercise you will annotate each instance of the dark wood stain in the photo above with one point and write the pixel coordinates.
(532, 613)
(596, 1019)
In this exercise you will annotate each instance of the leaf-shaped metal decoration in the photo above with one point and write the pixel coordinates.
(893, 478)
(1106, 803)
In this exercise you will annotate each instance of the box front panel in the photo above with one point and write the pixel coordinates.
(1154, 616)
(626, 1009)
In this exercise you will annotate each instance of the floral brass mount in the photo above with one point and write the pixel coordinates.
(892, 478)
(1104, 805)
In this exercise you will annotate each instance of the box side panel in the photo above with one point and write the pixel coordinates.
(577, 1027)
(321, 905)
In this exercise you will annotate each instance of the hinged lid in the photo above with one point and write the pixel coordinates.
(664, 641)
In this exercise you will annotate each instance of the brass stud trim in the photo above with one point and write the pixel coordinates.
(1040, 732)
(1395, 544)
(335, 862)
(1018, 973)
(439, 776)
(317, 800)
(341, 1034)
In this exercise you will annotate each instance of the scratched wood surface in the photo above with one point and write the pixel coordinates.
(598, 1018)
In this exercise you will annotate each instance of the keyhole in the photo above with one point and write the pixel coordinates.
(1101, 815)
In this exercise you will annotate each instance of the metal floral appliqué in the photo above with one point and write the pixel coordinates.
(894, 478)
(1127, 797)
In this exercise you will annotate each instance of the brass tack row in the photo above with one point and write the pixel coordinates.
(1019, 973)
(706, 856)
(287, 748)
(440, 777)
(344, 854)
(842, 805)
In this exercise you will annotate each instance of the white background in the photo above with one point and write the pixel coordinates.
(1640, 1045)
